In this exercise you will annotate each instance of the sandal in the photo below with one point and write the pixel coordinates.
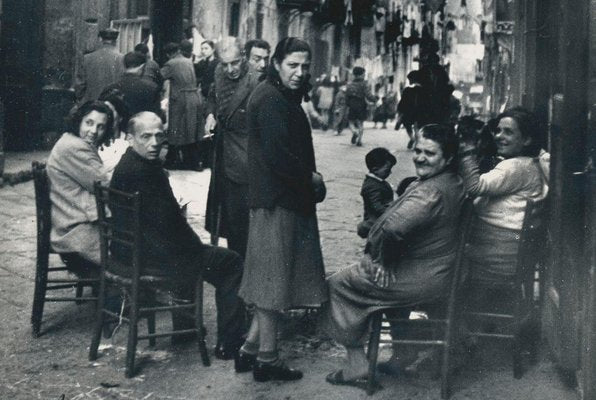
(337, 378)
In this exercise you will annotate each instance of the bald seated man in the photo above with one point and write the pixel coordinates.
(170, 246)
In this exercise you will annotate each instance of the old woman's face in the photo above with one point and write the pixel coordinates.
(428, 158)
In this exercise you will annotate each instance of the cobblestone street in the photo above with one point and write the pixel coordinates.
(56, 364)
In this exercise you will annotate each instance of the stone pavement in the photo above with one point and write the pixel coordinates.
(56, 363)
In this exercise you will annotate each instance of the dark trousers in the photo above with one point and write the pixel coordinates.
(235, 202)
(222, 268)
(185, 157)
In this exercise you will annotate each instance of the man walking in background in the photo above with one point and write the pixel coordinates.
(100, 68)
(357, 95)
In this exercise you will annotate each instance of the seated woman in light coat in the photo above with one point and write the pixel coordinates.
(501, 194)
(73, 167)
(409, 252)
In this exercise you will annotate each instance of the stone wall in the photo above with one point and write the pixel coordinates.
(58, 49)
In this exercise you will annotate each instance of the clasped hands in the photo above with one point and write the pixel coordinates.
(377, 273)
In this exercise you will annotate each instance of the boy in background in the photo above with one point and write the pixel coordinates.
(376, 192)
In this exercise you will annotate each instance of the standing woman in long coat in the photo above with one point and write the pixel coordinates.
(184, 118)
(284, 265)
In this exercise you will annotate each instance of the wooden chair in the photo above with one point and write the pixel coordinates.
(141, 290)
(524, 320)
(446, 324)
(86, 273)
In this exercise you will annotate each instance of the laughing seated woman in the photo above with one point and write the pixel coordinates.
(408, 256)
(502, 193)
(73, 167)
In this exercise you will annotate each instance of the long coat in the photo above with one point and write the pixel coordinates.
(281, 157)
(100, 68)
(228, 101)
(185, 119)
(73, 167)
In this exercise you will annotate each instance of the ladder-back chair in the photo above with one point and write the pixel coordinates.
(447, 324)
(141, 290)
(523, 321)
(86, 273)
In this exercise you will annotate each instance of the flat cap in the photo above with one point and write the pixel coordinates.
(358, 71)
(109, 34)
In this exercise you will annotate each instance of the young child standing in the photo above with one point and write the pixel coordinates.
(376, 193)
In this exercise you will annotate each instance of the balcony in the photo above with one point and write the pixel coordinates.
(302, 5)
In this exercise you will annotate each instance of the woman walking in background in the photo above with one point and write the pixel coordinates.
(284, 265)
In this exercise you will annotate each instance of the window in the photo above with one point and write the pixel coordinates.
(235, 19)
(142, 7)
(260, 18)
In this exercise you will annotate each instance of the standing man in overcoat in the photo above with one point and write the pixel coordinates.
(227, 205)
(100, 68)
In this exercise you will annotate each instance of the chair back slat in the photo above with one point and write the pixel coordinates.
(465, 223)
(43, 206)
(531, 246)
(112, 200)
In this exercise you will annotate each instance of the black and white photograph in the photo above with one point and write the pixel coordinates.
(298, 199)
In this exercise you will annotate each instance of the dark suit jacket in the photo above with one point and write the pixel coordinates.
(377, 196)
(205, 73)
(168, 240)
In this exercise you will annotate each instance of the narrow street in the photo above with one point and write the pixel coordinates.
(56, 364)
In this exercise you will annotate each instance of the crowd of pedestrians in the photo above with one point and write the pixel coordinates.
(265, 188)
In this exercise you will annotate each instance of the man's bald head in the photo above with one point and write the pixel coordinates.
(146, 134)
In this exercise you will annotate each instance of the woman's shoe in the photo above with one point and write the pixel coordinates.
(244, 362)
(263, 372)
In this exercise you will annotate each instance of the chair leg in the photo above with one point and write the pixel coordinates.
(39, 296)
(151, 327)
(517, 357)
(131, 346)
(373, 351)
(446, 373)
(199, 322)
(79, 293)
(99, 320)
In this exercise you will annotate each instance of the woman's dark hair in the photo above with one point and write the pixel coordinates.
(76, 118)
(285, 47)
(116, 98)
(528, 126)
(445, 137)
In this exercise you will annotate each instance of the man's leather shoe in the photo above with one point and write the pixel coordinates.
(225, 352)
(263, 372)
(244, 362)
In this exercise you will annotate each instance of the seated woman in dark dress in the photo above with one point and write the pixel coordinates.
(409, 252)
